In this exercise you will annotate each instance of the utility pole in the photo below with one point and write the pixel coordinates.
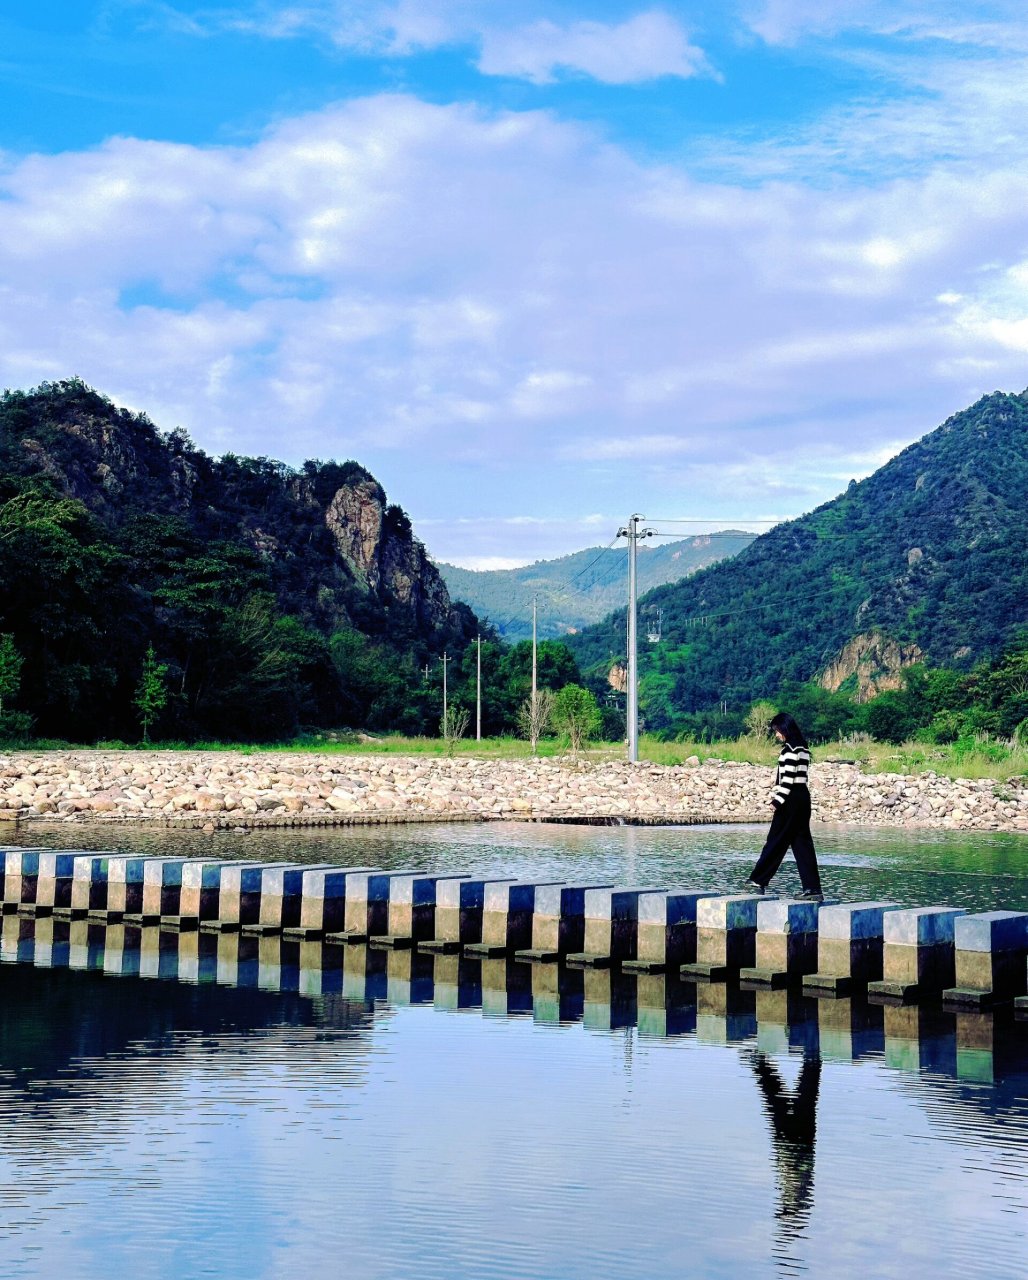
(535, 673)
(633, 533)
(445, 661)
(478, 695)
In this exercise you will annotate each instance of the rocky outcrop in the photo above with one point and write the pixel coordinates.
(383, 555)
(221, 788)
(354, 519)
(329, 522)
(875, 661)
(411, 577)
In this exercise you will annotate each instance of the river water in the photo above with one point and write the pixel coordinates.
(258, 1109)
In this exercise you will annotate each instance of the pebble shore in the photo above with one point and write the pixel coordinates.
(219, 789)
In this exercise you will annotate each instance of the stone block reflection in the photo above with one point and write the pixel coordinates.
(987, 1046)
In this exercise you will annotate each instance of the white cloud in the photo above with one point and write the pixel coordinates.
(488, 562)
(632, 446)
(548, 391)
(645, 47)
(968, 22)
(486, 309)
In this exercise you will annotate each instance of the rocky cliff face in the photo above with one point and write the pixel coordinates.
(387, 560)
(875, 661)
(354, 519)
(340, 554)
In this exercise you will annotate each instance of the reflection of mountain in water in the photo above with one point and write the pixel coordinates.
(59, 1024)
(63, 1031)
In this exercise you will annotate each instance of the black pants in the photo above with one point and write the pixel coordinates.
(790, 826)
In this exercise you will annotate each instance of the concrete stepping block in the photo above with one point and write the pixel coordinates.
(323, 901)
(990, 959)
(918, 954)
(89, 884)
(850, 945)
(366, 914)
(21, 868)
(200, 891)
(667, 930)
(459, 906)
(280, 889)
(508, 908)
(54, 878)
(15, 863)
(726, 934)
(785, 947)
(558, 924)
(412, 908)
(611, 927)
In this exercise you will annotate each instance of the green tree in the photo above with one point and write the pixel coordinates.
(11, 663)
(535, 715)
(151, 695)
(453, 727)
(890, 716)
(759, 717)
(576, 717)
(12, 723)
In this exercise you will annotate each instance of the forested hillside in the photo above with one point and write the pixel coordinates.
(273, 597)
(582, 588)
(924, 561)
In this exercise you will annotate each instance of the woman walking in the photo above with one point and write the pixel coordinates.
(790, 825)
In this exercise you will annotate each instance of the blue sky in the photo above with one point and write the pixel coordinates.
(536, 264)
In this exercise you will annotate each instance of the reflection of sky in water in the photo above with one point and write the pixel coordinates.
(156, 1129)
(979, 871)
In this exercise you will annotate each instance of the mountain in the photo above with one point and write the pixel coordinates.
(925, 560)
(581, 588)
(263, 589)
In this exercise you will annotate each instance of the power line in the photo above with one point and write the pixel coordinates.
(742, 520)
(524, 612)
(701, 619)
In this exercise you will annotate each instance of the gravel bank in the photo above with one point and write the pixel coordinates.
(223, 789)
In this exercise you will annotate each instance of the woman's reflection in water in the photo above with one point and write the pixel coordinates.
(793, 1123)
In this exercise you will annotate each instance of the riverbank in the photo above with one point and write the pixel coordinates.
(220, 789)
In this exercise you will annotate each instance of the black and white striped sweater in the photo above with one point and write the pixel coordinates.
(793, 764)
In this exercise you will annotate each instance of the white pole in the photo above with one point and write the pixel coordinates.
(445, 661)
(478, 695)
(633, 689)
(535, 675)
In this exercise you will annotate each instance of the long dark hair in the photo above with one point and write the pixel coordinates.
(784, 723)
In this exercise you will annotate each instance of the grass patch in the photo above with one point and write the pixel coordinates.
(977, 757)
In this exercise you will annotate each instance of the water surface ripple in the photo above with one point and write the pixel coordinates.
(155, 1128)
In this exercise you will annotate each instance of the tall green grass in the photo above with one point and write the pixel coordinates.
(974, 757)
(980, 756)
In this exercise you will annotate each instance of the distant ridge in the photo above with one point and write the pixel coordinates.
(926, 559)
(582, 588)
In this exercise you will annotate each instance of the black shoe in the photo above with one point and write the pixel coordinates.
(811, 897)
(752, 886)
